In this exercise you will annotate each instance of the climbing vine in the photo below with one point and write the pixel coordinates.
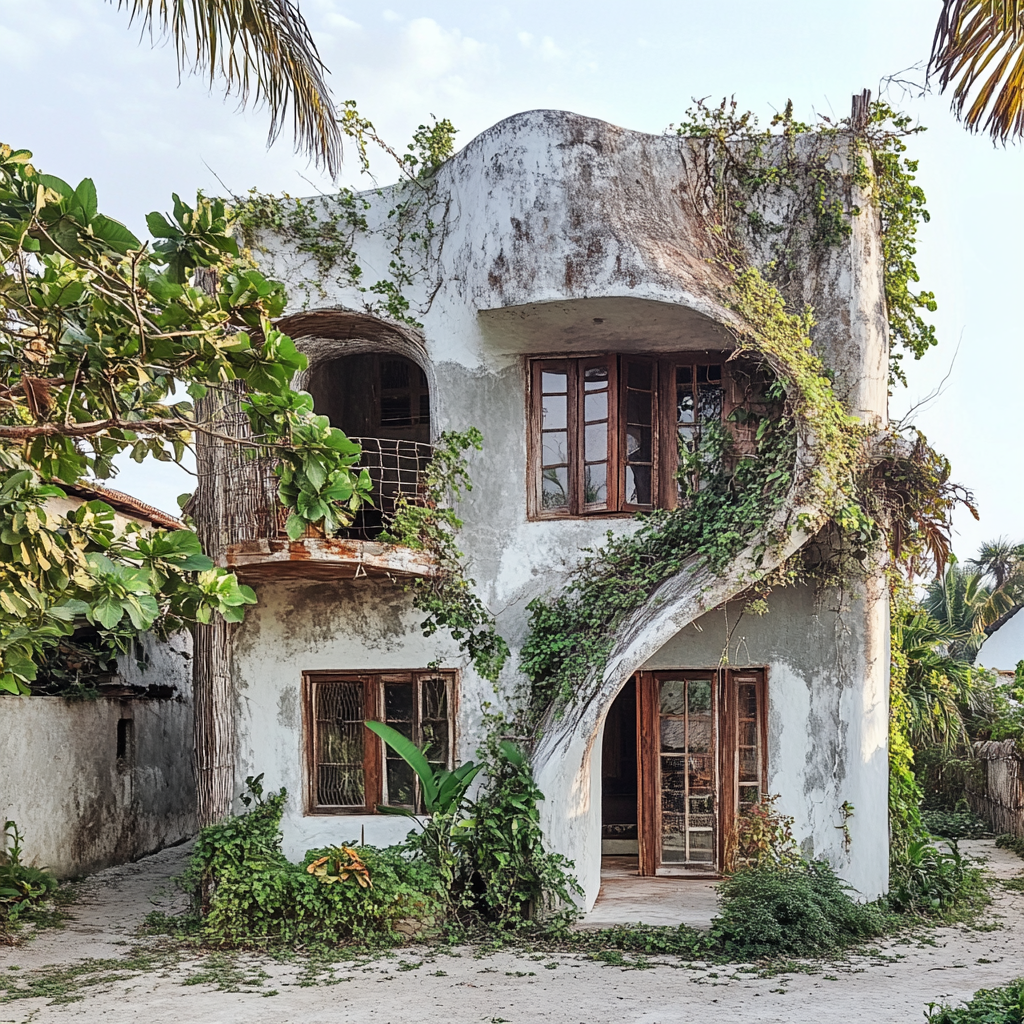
(769, 203)
(430, 524)
(324, 229)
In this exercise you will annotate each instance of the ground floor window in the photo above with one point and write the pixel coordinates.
(683, 754)
(348, 769)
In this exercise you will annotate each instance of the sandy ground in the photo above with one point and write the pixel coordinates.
(891, 984)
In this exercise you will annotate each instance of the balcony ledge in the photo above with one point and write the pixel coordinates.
(323, 558)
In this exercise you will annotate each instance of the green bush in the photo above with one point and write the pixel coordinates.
(989, 1006)
(1008, 841)
(804, 910)
(22, 888)
(514, 883)
(932, 881)
(248, 893)
(961, 823)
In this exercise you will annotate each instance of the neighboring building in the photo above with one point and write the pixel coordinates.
(107, 777)
(568, 315)
(1005, 647)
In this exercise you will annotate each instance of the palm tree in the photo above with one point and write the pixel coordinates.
(939, 687)
(979, 48)
(263, 50)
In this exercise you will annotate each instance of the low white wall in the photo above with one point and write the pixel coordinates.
(78, 806)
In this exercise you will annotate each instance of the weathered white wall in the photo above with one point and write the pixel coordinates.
(349, 625)
(559, 233)
(79, 808)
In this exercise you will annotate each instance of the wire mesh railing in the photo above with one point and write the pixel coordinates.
(396, 471)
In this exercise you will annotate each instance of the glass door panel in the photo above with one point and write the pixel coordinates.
(688, 771)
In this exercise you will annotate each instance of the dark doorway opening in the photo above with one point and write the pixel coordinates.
(374, 395)
(382, 402)
(619, 833)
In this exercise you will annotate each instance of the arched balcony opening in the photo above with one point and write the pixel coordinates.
(381, 400)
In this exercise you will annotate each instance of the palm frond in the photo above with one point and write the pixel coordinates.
(979, 48)
(263, 50)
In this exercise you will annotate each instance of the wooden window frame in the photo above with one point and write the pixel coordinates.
(664, 454)
(374, 773)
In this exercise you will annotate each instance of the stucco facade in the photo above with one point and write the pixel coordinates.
(559, 234)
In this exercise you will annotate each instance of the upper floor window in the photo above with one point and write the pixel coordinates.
(348, 769)
(606, 431)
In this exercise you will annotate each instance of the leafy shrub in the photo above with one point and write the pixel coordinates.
(989, 1006)
(961, 823)
(22, 888)
(513, 880)
(1008, 841)
(249, 893)
(931, 881)
(804, 910)
(763, 837)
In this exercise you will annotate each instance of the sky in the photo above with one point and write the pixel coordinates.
(92, 98)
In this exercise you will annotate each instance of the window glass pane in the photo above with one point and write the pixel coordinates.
(595, 479)
(700, 734)
(555, 488)
(747, 700)
(684, 406)
(748, 734)
(401, 784)
(340, 736)
(434, 694)
(684, 375)
(638, 485)
(555, 448)
(595, 442)
(673, 697)
(435, 741)
(553, 383)
(434, 726)
(554, 412)
(750, 794)
(710, 402)
(748, 765)
(700, 697)
(673, 734)
(595, 407)
(638, 407)
(638, 376)
(595, 378)
(638, 444)
(397, 702)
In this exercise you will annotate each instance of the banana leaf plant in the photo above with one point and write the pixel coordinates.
(443, 793)
(443, 790)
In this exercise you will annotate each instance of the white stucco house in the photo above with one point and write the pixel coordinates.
(565, 311)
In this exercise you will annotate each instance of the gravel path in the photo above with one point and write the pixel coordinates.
(890, 985)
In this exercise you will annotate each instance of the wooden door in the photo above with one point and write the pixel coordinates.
(700, 750)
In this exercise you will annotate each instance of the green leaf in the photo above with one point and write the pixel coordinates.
(412, 755)
(295, 527)
(114, 234)
(83, 205)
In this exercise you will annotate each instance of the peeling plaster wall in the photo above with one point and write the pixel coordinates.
(79, 807)
(560, 233)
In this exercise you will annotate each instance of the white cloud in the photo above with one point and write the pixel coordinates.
(545, 47)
